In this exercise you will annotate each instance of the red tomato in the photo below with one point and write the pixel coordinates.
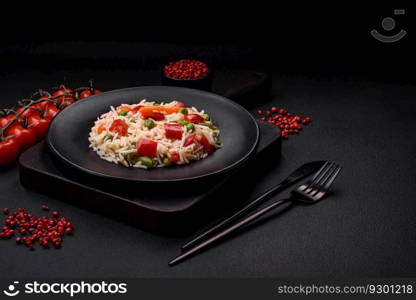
(173, 131)
(6, 120)
(146, 148)
(66, 102)
(63, 93)
(42, 105)
(180, 104)
(87, 93)
(199, 139)
(50, 111)
(194, 118)
(189, 140)
(9, 150)
(31, 111)
(24, 137)
(174, 157)
(120, 127)
(136, 109)
(39, 126)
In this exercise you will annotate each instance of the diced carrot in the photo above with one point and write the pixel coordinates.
(100, 129)
(127, 108)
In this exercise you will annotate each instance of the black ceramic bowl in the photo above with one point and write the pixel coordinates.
(69, 131)
(203, 83)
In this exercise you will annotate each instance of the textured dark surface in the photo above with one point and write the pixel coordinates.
(365, 228)
(172, 208)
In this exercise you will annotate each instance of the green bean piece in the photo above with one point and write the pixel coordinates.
(183, 111)
(206, 117)
(213, 127)
(190, 127)
(149, 124)
(107, 137)
(123, 113)
(146, 161)
(166, 161)
(183, 122)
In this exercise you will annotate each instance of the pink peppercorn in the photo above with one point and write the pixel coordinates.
(186, 69)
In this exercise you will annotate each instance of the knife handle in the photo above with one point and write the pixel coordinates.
(221, 224)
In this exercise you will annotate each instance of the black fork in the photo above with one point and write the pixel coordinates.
(309, 193)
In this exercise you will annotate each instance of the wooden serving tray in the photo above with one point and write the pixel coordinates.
(174, 208)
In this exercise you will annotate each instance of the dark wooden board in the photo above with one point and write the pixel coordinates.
(176, 208)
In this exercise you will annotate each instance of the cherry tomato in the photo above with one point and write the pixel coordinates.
(174, 157)
(64, 93)
(39, 126)
(31, 111)
(66, 102)
(6, 120)
(146, 148)
(24, 137)
(173, 131)
(194, 118)
(50, 111)
(87, 93)
(9, 150)
(120, 127)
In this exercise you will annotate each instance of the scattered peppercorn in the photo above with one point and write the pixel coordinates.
(288, 123)
(44, 230)
(186, 69)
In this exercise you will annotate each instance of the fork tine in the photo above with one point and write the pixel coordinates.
(316, 181)
(310, 181)
(323, 188)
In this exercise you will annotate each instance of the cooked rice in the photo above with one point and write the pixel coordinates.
(118, 148)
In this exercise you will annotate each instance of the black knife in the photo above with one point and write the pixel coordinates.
(300, 173)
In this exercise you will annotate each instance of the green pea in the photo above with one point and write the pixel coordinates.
(190, 127)
(107, 137)
(146, 161)
(183, 111)
(123, 113)
(149, 124)
(206, 117)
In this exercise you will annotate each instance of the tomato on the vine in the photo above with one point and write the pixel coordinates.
(88, 92)
(67, 102)
(39, 126)
(23, 136)
(9, 150)
(50, 111)
(31, 111)
(6, 120)
(42, 105)
(62, 94)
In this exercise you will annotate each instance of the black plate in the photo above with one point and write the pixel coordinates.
(68, 134)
